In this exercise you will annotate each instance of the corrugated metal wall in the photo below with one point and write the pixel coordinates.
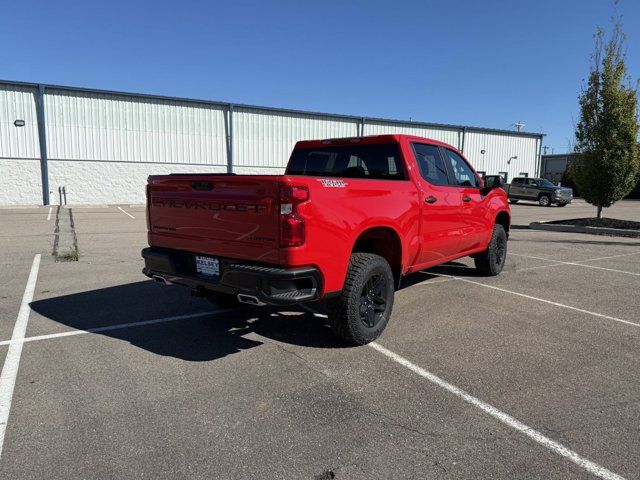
(452, 136)
(104, 127)
(18, 103)
(499, 150)
(20, 178)
(265, 138)
(102, 145)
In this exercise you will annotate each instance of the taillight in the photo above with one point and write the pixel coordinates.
(291, 223)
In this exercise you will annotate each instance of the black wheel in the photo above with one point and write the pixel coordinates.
(224, 301)
(491, 261)
(511, 200)
(361, 312)
(544, 201)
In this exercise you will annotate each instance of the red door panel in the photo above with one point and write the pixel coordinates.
(440, 225)
(473, 219)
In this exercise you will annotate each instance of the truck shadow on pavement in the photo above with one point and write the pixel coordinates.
(198, 339)
(456, 269)
(215, 334)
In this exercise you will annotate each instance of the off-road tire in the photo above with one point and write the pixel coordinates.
(490, 262)
(544, 200)
(345, 315)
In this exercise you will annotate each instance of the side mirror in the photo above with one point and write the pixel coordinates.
(491, 182)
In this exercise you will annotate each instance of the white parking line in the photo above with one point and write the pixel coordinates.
(604, 268)
(128, 214)
(117, 326)
(503, 417)
(578, 264)
(562, 305)
(610, 256)
(12, 360)
(49, 214)
(538, 266)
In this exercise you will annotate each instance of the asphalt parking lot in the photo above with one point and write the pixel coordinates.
(531, 374)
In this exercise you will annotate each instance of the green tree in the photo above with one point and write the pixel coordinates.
(607, 134)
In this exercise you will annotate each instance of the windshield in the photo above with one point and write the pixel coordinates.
(543, 182)
(380, 161)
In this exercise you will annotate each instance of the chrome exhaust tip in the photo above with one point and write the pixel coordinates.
(159, 279)
(250, 299)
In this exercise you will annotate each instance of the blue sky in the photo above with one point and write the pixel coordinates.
(485, 63)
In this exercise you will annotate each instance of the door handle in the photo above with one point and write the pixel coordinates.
(431, 199)
(466, 199)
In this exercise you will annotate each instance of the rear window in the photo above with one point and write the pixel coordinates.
(380, 161)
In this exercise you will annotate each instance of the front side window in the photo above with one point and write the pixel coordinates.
(379, 161)
(543, 182)
(460, 172)
(430, 164)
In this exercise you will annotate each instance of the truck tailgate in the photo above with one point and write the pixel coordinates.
(218, 215)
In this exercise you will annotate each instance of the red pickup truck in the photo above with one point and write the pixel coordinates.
(348, 219)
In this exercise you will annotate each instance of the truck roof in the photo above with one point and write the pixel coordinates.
(369, 139)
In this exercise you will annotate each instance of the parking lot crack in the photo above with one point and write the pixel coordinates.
(65, 245)
(392, 421)
(389, 420)
(612, 405)
(301, 358)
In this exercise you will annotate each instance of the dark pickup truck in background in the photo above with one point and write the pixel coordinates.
(538, 190)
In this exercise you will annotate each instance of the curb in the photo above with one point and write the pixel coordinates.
(65, 244)
(618, 232)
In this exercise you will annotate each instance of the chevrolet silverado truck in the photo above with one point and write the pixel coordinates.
(347, 220)
(538, 190)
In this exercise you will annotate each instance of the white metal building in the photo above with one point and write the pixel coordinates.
(102, 145)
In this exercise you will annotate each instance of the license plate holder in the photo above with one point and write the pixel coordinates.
(208, 266)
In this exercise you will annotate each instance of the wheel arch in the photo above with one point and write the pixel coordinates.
(384, 241)
(503, 218)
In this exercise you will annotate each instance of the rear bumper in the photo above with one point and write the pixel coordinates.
(271, 285)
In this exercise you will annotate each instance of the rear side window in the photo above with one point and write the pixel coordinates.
(379, 161)
(518, 180)
(430, 164)
(460, 171)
